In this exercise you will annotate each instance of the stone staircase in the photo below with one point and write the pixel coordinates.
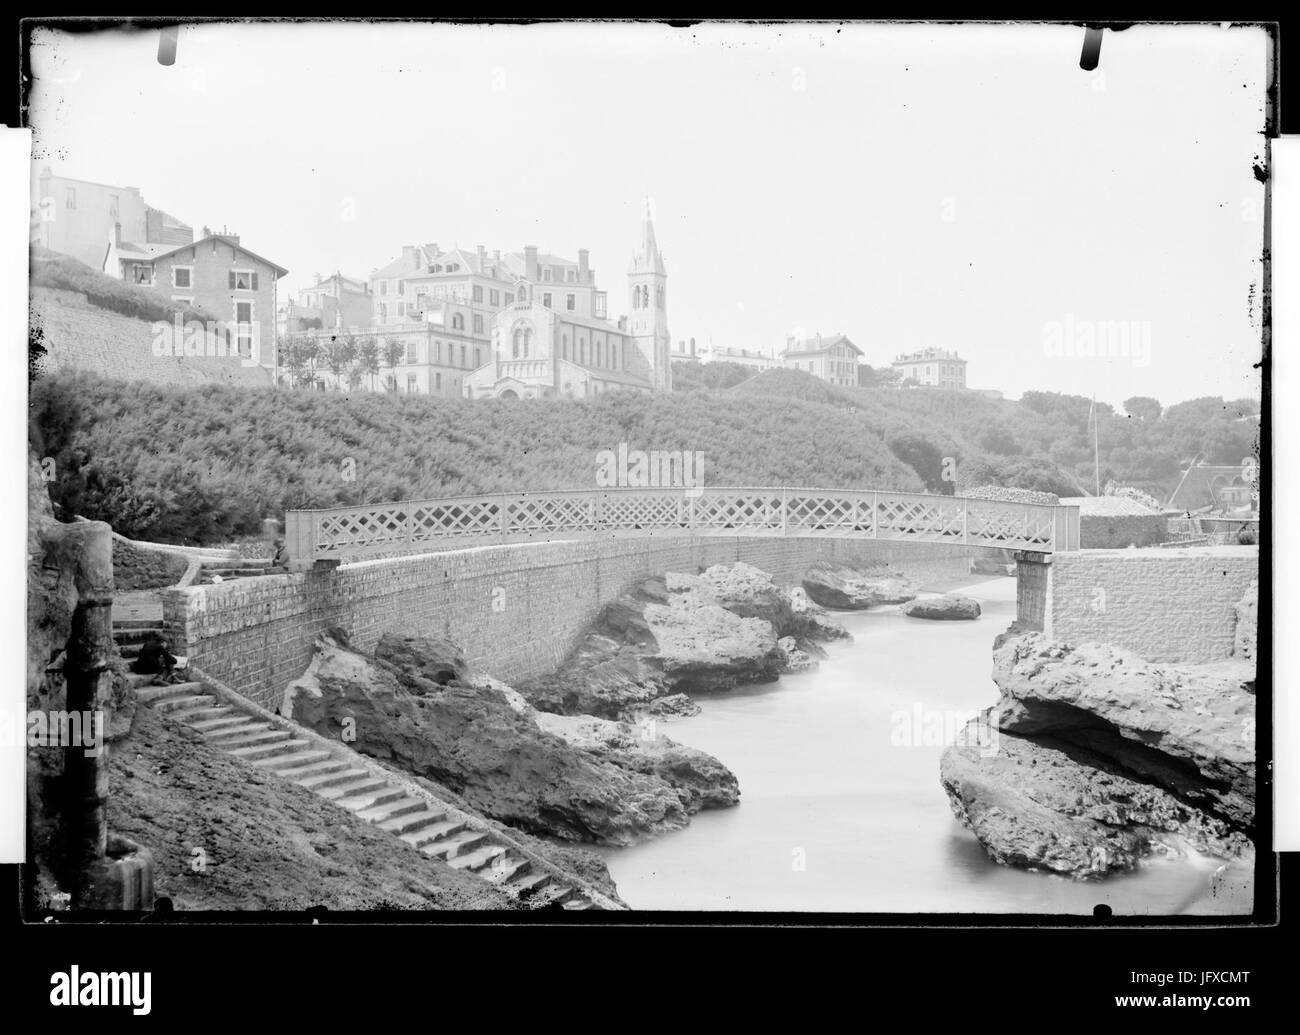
(225, 569)
(337, 775)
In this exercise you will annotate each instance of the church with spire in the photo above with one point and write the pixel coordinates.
(553, 337)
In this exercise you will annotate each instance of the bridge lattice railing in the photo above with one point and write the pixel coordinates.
(422, 526)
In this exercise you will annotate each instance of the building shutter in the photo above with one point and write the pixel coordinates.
(232, 280)
(254, 280)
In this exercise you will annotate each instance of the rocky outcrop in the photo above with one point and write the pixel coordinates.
(415, 704)
(681, 634)
(1093, 759)
(950, 607)
(853, 589)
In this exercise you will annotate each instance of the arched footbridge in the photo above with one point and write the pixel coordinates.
(341, 534)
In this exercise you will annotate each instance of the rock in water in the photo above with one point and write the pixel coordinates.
(846, 588)
(1099, 758)
(414, 705)
(947, 608)
(685, 634)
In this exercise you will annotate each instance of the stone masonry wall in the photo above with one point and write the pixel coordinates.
(1166, 605)
(1102, 532)
(515, 610)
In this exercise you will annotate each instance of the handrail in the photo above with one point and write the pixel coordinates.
(410, 526)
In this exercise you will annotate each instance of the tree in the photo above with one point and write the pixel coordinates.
(338, 354)
(368, 355)
(393, 352)
(1143, 407)
(923, 457)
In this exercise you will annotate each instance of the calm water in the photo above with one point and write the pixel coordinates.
(834, 816)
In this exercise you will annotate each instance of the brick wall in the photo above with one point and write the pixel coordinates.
(1171, 605)
(79, 336)
(515, 610)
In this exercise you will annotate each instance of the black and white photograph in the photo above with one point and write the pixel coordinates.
(584, 471)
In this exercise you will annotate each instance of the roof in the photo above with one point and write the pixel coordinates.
(171, 249)
(1108, 506)
(647, 258)
(931, 355)
(817, 346)
(148, 252)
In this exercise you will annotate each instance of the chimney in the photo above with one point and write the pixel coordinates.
(207, 232)
(692, 346)
(408, 255)
(482, 258)
(530, 263)
(583, 271)
(622, 323)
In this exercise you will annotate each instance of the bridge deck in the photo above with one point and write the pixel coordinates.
(421, 526)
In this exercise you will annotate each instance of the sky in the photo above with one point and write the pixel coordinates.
(966, 187)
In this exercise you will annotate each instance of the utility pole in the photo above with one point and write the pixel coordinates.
(1096, 456)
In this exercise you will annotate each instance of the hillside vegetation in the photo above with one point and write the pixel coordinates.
(202, 465)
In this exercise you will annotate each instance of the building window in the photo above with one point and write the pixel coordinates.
(183, 300)
(478, 323)
(383, 311)
(412, 352)
(401, 308)
(478, 358)
(546, 273)
(141, 274)
(478, 292)
(494, 296)
(437, 352)
(462, 355)
(546, 300)
(383, 287)
(244, 328)
(457, 322)
(242, 280)
(510, 298)
(401, 287)
(412, 384)
(437, 380)
(582, 351)
(570, 303)
(71, 204)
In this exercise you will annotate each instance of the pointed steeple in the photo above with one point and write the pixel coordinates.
(648, 258)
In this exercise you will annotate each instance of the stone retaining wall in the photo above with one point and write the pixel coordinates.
(515, 610)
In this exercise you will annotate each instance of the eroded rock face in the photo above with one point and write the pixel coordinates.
(727, 626)
(414, 704)
(1102, 758)
(846, 588)
(951, 607)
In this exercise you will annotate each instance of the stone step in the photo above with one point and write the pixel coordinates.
(266, 735)
(322, 774)
(282, 747)
(402, 806)
(438, 831)
(233, 728)
(279, 763)
(361, 785)
(458, 844)
(552, 894)
(366, 799)
(137, 636)
(150, 694)
(412, 822)
(186, 703)
(505, 867)
(477, 859)
(527, 884)
(231, 718)
(189, 717)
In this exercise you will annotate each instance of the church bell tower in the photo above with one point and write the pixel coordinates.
(648, 298)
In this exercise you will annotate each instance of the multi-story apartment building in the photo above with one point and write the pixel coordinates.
(333, 303)
(216, 274)
(78, 217)
(932, 367)
(833, 358)
(755, 359)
